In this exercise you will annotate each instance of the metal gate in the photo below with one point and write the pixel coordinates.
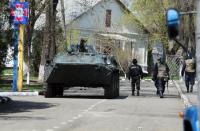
(175, 64)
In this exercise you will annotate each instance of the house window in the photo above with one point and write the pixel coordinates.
(108, 18)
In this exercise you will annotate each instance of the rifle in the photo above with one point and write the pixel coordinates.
(167, 86)
(167, 81)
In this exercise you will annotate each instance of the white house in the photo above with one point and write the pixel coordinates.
(104, 24)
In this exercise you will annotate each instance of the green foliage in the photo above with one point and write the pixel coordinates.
(152, 14)
(3, 51)
(61, 42)
(73, 37)
(36, 53)
(7, 71)
(31, 88)
(5, 35)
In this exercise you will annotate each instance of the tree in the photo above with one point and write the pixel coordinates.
(152, 14)
(5, 32)
(49, 44)
(187, 33)
(36, 8)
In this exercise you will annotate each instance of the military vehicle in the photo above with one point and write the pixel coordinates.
(81, 69)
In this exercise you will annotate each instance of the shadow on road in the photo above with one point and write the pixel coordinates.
(92, 97)
(151, 94)
(22, 106)
(83, 96)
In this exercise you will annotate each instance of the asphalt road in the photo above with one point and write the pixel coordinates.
(85, 109)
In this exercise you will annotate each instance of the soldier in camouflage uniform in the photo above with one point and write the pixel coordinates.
(189, 69)
(160, 76)
(82, 46)
(135, 73)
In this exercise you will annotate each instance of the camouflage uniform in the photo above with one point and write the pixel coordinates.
(160, 77)
(82, 46)
(135, 73)
(189, 71)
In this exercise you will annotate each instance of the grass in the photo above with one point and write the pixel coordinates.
(7, 71)
(31, 88)
(6, 82)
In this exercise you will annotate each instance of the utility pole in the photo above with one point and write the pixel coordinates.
(15, 55)
(21, 41)
(19, 17)
(198, 54)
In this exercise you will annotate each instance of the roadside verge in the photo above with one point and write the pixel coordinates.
(185, 99)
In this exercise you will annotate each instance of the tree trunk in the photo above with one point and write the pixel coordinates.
(49, 46)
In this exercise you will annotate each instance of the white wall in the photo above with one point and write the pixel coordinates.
(95, 19)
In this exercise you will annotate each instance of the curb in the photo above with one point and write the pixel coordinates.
(123, 79)
(185, 99)
(36, 93)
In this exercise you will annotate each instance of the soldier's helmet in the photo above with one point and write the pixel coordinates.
(134, 61)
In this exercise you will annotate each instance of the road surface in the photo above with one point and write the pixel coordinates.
(85, 109)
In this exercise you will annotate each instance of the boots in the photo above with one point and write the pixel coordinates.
(191, 89)
(161, 94)
(187, 89)
(133, 93)
(157, 92)
(138, 92)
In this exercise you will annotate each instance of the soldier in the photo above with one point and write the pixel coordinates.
(135, 73)
(189, 69)
(82, 47)
(160, 76)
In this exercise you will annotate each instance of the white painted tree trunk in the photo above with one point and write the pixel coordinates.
(41, 74)
(28, 77)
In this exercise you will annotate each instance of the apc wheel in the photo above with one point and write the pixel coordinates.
(49, 91)
(111, 90)
(59, 91)
(117, 85)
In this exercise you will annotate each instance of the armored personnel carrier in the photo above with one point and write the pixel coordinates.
(83, 68)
